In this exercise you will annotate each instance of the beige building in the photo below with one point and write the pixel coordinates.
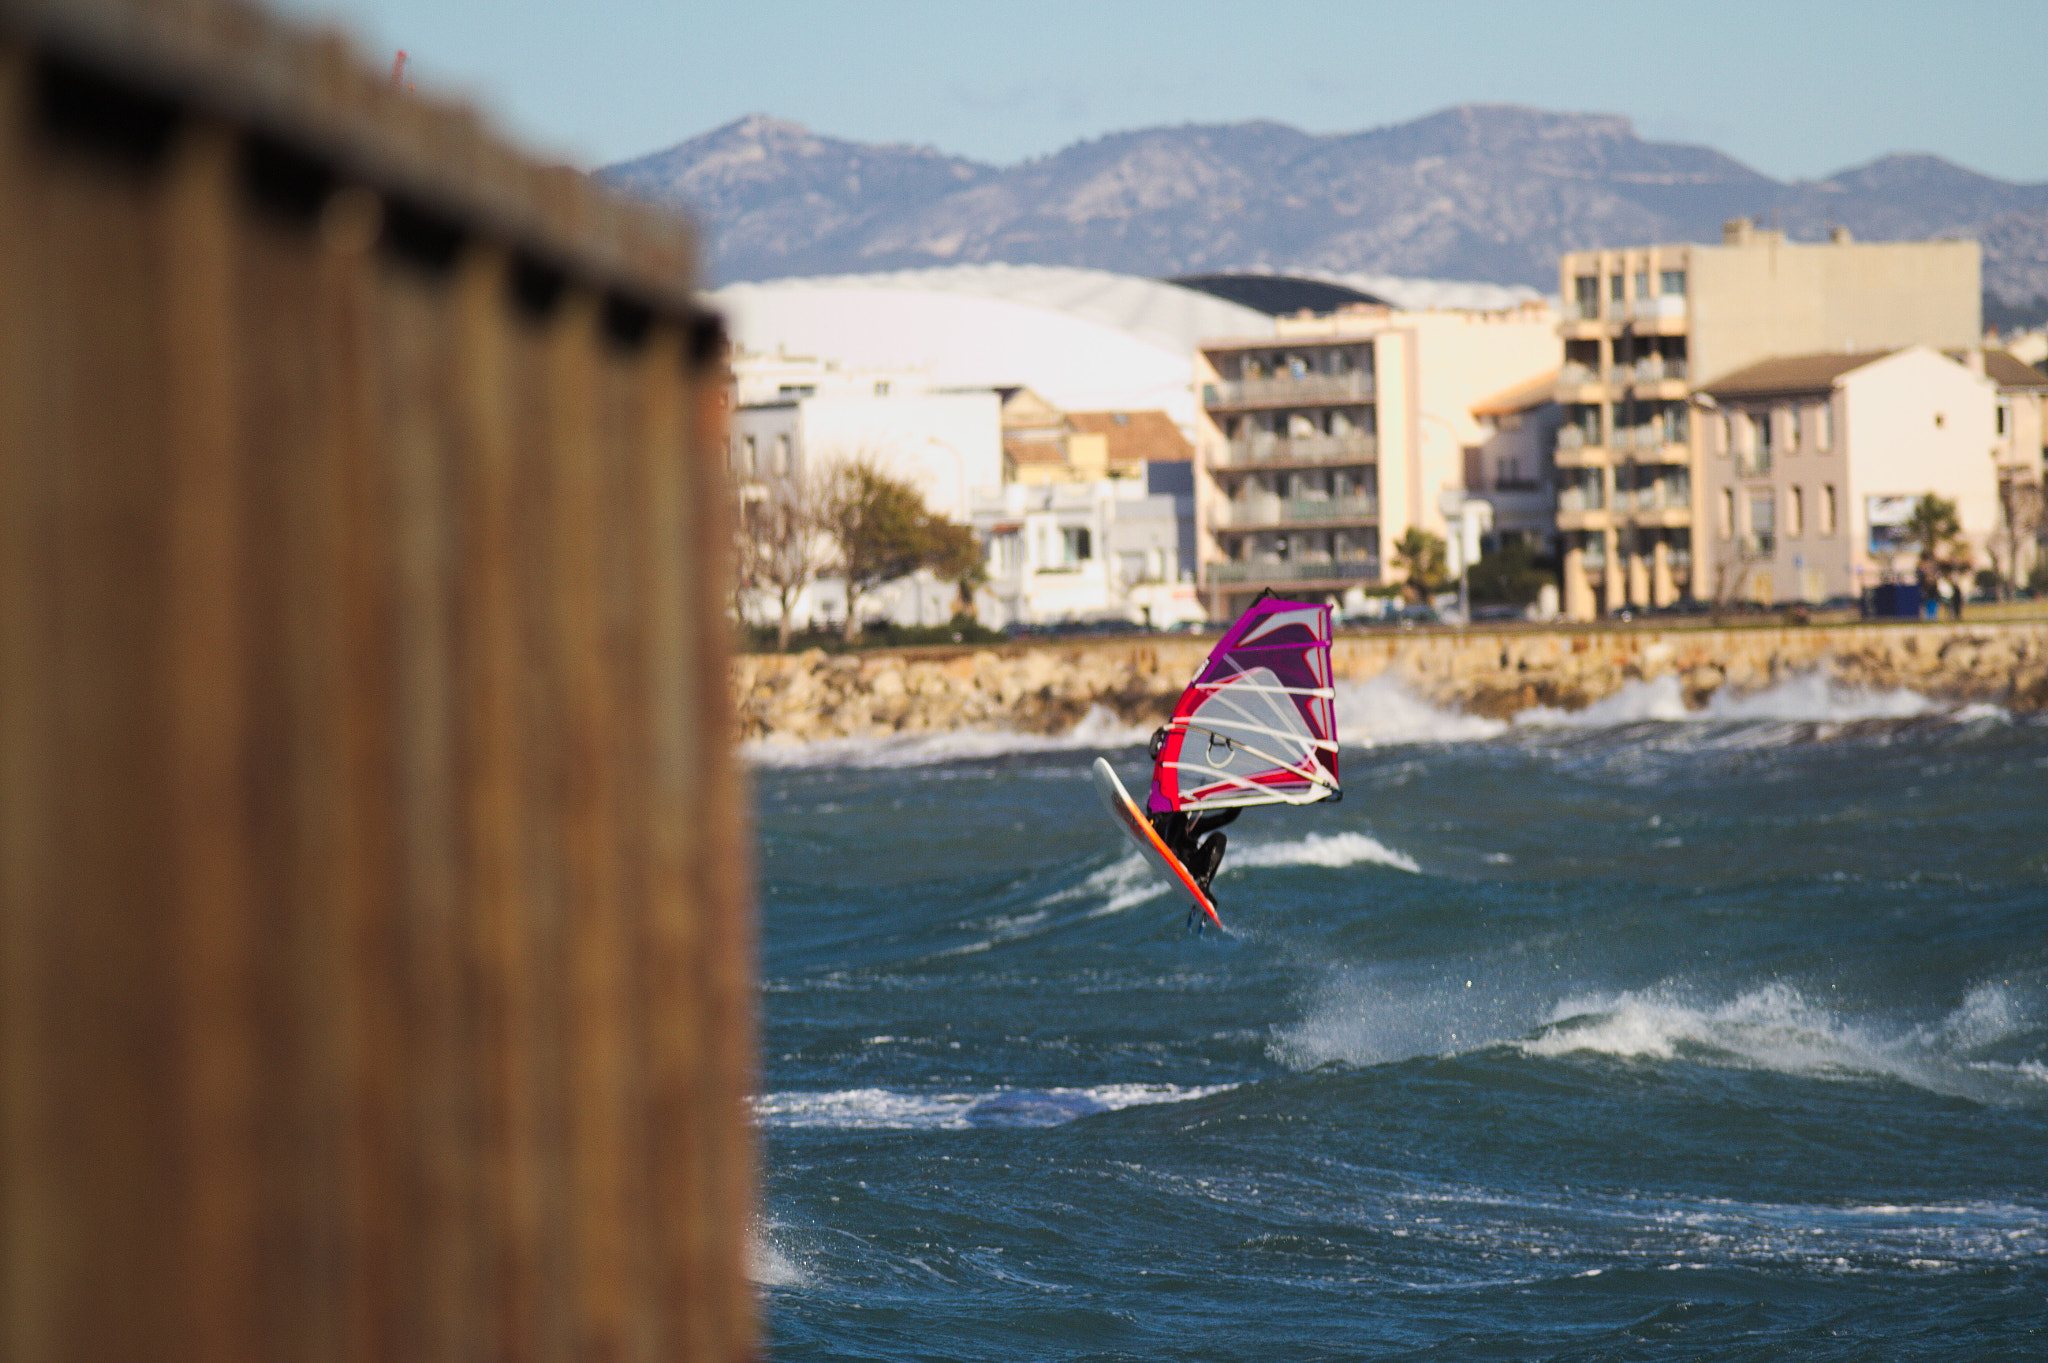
(1320, 445)
(1510, 468)
(1812, 462)
(1042, 444)
(1644, 327)
(2022, 432)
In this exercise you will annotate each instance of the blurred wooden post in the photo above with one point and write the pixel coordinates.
(375, 946)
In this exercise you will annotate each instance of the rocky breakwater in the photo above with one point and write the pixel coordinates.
(1047, 688)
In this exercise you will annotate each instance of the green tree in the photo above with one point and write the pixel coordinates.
(1507, 577)
(877, 523)
(1421, 555)
(1934, 529)
(953, 553)
(883, 530)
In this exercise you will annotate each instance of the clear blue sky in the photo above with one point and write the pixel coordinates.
(1794, 89)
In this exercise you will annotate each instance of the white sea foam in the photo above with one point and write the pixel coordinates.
(1383, 711)
(1807, 699)
(1776, 1027)
(1321, 849)
(1365, 1017)
(1123, 884)
(1096, 730)
(767, 1264)
(873, 1109)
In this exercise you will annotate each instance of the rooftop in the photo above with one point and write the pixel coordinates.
(1792, 374)
(1134, 437)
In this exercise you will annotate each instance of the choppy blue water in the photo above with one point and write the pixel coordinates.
(1631, 1036)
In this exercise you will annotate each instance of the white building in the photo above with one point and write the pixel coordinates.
(1086, 340)
(1103, 550)
(1813, 461)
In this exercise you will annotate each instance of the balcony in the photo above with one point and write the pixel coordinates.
(1656, 369)
(1654, 439)
(1662, 308)
(1578, 497)
(1266, 451)
(1264, 513)
(1280, 392)
(1578, 310)
(1327, 570)
(1753, 464)
(1760, 544)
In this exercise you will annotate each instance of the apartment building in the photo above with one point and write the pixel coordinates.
(1644, 327)
(1813, 462)
(1320, 444)
(1511, 468)
(2022, 430)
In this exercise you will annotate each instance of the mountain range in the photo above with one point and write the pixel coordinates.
(1484, 192)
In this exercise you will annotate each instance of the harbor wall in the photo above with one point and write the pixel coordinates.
(1046, 687)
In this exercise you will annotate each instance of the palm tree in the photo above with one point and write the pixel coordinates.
(1423, 556)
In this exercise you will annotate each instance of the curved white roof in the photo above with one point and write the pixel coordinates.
(1083, 339)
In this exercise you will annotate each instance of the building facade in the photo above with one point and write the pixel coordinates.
(1644, 327)
(1072, 551)
(1320, 445)
(1813, 462)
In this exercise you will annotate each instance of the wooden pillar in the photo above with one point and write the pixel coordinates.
(375, 948)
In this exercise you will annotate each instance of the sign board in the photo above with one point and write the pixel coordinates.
(1887, 516)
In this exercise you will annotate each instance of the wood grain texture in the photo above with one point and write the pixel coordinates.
(375, 937)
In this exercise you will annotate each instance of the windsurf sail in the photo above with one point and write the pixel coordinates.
(1258, 725)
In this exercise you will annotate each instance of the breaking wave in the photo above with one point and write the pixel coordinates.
(1808, 699)
(875, 1109)
(1321, 849)
(1098, 729)
(1383, 711)
(1357, 1020)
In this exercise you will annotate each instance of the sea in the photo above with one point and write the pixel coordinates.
(1630, 1033)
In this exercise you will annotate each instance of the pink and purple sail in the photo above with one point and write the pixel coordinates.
(1258, 725)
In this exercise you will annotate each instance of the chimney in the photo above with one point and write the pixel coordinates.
(1736, 231)
(1973, 359)
(1839, 236)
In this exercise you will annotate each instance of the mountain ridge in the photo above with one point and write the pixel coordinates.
(1489, 192)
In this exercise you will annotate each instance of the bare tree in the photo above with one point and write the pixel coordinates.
(2019, 506)
(785, 543)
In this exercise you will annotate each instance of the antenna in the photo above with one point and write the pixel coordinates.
(398, 81)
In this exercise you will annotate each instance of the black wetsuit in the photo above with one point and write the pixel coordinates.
(1193, 839)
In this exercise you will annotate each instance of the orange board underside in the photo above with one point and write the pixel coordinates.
(1140, 831)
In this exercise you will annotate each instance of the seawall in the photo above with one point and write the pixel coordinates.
(1044, 687)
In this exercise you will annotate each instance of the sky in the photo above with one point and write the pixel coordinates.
(1796, 90)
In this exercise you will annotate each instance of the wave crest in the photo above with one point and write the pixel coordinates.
(1099, 729)
(1322, 849)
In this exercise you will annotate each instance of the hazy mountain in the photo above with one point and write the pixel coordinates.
(1475, 192)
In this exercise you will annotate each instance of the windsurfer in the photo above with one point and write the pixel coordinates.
(1183, 832)
(1184, 836)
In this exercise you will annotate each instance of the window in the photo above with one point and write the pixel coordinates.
(1614, 287)
(1673, 284)
(1727, 512)
(1764, 433)
(1586, 291)
(1795, 513)
(1002, 553)
(1763, 514)
(1642, 283)
(1827, 509)
(1824, 434)
(749, 459)
(1940, 420)
(1076, 545)
(2004, 418)
(881, 388)
(782, 460)
(1727, 433)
